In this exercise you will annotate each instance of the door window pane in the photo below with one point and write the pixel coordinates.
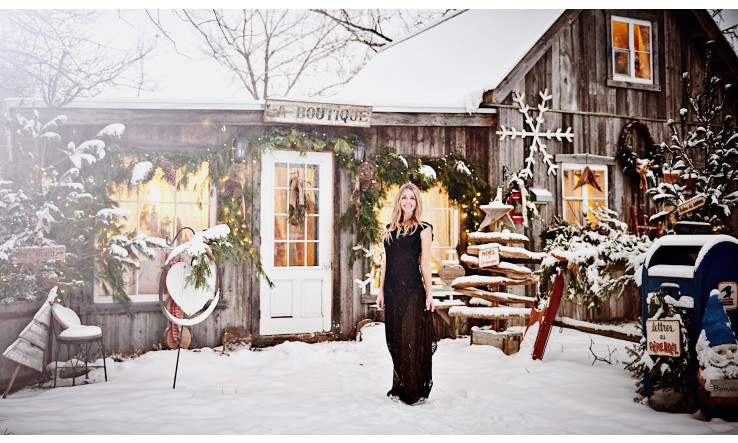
(301, 229)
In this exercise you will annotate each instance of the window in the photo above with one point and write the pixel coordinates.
(632, 53)
(160, 210)
(580, 193)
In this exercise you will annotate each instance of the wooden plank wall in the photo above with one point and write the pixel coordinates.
(574, 70)
(170, 131)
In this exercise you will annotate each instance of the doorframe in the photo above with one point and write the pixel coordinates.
(326, 241)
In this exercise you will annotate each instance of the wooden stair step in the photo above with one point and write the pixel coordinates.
(497, 297)
(499, 237)
(509, 252)
(503, 267)
(471, 281)
(495, 313)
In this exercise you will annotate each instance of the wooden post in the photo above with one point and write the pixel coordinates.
(12, 379)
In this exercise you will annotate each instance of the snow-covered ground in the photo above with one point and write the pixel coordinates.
(339, 388)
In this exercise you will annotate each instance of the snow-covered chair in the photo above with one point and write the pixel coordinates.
(71, 332)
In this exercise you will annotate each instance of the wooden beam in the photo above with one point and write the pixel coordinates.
(496, 297)
(599, 330)
(433, 119)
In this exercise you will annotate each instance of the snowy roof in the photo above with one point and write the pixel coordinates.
(453, 62)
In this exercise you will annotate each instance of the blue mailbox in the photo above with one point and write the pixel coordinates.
(697, 264)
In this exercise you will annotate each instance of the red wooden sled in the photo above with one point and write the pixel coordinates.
(546, 316)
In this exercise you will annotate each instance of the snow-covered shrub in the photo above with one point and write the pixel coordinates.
(602, 258)
(668, 375)
(704, 156)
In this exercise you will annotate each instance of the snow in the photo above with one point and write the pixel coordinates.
(706, 242)
(453, 62)
(140, 171)
(112, 130)
(338, 388)
(672, 271)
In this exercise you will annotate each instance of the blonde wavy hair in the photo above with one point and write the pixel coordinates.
(396, 219)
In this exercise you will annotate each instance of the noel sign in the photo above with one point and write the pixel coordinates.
(663, 338)
(489, 255)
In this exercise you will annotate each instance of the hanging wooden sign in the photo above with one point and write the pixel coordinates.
(693, 203)
(663, 338)
(489, 255)
(37, 254)
(287, 111)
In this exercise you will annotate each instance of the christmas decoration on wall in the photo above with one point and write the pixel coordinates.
(299, 202)
(496, 211)
(632, 162)
(587, 178)
(536, 133)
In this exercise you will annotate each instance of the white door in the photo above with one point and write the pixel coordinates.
(296, 245)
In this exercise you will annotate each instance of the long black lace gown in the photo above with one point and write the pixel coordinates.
(409, 327)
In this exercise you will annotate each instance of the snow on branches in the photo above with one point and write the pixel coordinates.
(602, 257)
(703, 156)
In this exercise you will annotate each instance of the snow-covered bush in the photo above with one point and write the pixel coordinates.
(602, 258)
(668, 375)
(703, 156)
(53, 193)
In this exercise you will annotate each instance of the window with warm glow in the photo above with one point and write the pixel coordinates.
(632, 54)
(160, 210)
(580, 193)
(439, 212)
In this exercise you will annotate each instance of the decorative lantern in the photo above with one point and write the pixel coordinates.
(359, 152)
(516, 213)
(239, 148)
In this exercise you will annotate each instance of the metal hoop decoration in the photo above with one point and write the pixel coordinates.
(162, 304)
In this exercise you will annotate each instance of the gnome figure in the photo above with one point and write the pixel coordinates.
(717, 346)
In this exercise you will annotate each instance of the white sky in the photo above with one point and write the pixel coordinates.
(190, 74)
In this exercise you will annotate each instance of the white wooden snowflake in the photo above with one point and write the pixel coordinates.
(537, 143)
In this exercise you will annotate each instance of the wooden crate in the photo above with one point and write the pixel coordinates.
(507, 341)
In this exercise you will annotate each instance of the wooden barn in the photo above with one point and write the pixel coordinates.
(456, 87)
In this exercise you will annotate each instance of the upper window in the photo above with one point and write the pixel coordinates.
(160, 210)
(584, 188)
(632, 54)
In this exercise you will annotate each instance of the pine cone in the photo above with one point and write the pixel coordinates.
(166, 167)
(233, 188)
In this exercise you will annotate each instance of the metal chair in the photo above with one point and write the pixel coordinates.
(73, 332)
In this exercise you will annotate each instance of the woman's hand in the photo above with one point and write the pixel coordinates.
(430, 305)
(380, 300)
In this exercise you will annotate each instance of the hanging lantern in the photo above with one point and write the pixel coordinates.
(239, 148)
(516, 213)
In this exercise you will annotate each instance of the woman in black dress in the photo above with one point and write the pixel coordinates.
(405, 296)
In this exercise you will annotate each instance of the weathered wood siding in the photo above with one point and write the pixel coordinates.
(414, 135)
(574, 70)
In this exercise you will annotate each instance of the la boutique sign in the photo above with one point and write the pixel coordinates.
(286, 111)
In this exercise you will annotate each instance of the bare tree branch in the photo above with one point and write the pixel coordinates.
(52, 54)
